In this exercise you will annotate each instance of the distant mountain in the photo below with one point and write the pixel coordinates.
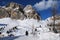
(17, 11)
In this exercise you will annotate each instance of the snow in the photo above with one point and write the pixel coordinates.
(10, 23)
(42, 33)
(42, 36)
(27, 11)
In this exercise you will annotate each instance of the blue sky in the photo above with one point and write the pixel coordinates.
(43, 7)
(23, 2)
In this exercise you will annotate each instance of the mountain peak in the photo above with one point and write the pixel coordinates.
(14, 5)
(16, 11)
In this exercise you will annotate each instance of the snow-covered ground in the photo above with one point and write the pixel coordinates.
(42, 33)
(42, 36)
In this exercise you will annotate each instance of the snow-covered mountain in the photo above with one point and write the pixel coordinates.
(19, 20)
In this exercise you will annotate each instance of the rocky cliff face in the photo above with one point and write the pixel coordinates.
(16, 11)
(30, 12)
(3, 13)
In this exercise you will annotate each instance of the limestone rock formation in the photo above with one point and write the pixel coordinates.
(17, 11)
(31, 13)
(3, 13)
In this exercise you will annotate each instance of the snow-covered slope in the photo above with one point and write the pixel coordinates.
(10, 23)
(42, 32)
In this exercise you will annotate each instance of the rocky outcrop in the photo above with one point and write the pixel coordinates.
(17, 15)
(55, 24)
(31, 13)
(3, 13)
(16, 11)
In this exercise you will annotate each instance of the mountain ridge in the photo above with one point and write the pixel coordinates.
(16, 11)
